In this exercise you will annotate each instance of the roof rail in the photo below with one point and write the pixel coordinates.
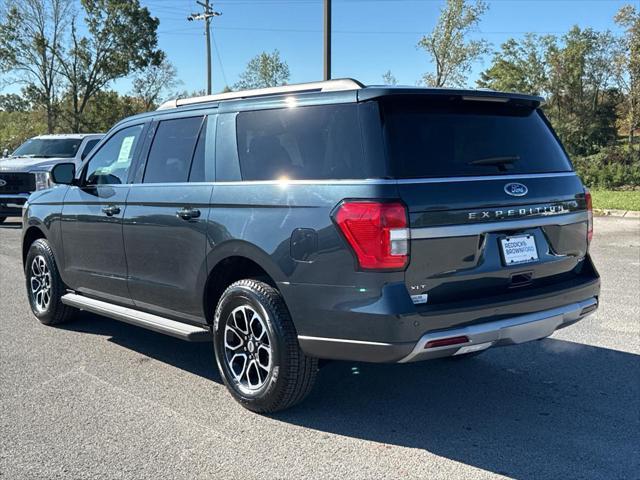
(325, 86)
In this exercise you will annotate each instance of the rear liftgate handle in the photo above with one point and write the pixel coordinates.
(188, 213)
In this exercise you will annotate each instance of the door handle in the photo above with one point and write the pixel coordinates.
(111, 210)
(188, 213)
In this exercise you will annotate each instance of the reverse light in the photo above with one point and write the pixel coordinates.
(377, 232)
(587, 197)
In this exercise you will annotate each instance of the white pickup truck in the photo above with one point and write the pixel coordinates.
(27, 168)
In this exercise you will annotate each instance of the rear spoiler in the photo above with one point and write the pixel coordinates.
(481, 95)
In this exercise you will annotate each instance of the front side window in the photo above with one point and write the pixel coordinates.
(172, 150)
(48, 148)
(110, 165)
(308, 143)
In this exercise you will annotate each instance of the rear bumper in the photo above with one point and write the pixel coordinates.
(334, 323)
(11, 204)
(508, 331)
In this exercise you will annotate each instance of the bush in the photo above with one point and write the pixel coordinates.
(611, 168)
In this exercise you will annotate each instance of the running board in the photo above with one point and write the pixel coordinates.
(149, 321)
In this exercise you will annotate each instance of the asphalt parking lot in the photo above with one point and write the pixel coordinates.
(102, 399)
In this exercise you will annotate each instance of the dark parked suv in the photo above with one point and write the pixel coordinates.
(320, 221)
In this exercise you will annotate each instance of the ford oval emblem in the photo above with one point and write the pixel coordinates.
(2, 183)
(516, 189)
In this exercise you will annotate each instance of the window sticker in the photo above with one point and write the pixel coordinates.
(125, 149)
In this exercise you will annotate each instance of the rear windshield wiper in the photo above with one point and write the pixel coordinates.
(503, 163)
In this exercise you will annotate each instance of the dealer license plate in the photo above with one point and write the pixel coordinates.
(520, 249)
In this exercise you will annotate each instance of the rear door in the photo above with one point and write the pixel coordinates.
(494, 205)
(165, 219)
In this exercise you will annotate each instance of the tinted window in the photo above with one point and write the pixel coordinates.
(197, 165)
(110, 165)
(457, 138)
(172, 149)
(89, 146)
(49, 147)
(318, 142)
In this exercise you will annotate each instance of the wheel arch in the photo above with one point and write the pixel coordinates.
(32, 234)
(235, 261)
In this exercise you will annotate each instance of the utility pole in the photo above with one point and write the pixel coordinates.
(327, 39)
(206, 15)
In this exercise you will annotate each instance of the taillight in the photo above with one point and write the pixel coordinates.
(587, 197)
(377, 232)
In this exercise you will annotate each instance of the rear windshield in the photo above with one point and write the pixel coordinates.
(49, 147)
(444, 138)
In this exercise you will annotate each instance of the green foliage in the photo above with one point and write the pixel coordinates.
(14, 103)
(31, 32)
(107, 108)
(150, 83)
(448, 45)
(264, 70)
(627, 68)
(122, 39)
(616, 200)
(612, 167)
(519, 66)
(16, 127)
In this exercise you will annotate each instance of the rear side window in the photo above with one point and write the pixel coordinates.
(172, 150)
(307, 143)
(460, 138)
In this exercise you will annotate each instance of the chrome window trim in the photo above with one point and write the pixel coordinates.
(471, 229)
(383, 181)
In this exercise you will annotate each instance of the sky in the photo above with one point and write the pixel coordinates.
(369, 36)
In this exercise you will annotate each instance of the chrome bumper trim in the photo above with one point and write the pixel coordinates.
(509, 331)
(446, 231)
(12, 196)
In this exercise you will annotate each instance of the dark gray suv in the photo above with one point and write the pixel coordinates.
(320, 221)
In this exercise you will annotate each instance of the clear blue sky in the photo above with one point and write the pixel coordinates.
(370, 36)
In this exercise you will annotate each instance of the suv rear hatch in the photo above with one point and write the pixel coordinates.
(494, 205)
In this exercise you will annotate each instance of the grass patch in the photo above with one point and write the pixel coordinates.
(616, 200)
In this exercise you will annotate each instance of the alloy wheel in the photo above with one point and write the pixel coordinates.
(247, 348)
(40, 282)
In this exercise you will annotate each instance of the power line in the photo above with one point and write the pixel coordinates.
(217, 50)
(206, 15)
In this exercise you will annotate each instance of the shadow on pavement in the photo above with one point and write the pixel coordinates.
(196, 357)
(11, 225)
(549, 409)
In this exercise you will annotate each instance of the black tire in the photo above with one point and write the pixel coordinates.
(2, 219)
(41, 270)
(291, 374)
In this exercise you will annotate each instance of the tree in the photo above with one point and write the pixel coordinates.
(150, 83)
(519, 66)
(107, 108)
(30, 41)
(388, 78)
(582, 99)
(12, 102)
(264, 70)
(122, 38)
(627, 68)
(448, 44)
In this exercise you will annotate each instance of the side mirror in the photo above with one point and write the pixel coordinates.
(5, 153)
(63, 173)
